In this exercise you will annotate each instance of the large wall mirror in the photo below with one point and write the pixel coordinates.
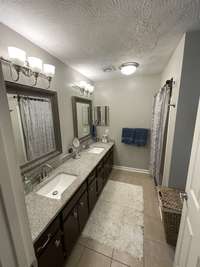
(82, 116)
(35, 121)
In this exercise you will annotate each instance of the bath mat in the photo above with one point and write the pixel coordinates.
(117, 219)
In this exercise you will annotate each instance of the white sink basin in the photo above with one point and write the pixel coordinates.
(96, 150)
(57, 185)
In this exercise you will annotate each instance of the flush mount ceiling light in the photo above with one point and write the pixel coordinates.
(32, 67)
(128, 68)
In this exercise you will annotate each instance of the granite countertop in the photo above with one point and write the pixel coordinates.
(42, 210)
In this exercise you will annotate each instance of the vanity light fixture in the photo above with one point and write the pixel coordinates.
(32, 67)
(128, 68)
(85, 88)
(17, 56)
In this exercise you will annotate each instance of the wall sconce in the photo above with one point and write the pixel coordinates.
(86, 89)
(32, 67)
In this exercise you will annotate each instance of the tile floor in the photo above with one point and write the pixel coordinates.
(89, 253)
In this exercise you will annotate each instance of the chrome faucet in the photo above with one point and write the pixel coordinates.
(86, 145)
(44, 172)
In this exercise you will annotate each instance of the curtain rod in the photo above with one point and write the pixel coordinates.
(169, 83)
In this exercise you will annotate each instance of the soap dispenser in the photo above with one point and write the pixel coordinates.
(27, 185)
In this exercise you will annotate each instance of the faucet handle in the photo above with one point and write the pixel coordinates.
(25, 178)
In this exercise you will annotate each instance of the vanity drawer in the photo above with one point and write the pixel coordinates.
(47, 236)
(92, 176)
(69, 206)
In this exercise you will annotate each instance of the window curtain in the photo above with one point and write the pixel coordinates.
(159, 118)
(37, 124)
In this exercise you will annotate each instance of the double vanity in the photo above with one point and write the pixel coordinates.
(58, 204)
(59, 207)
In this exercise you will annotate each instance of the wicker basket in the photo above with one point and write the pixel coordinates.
(171, 206)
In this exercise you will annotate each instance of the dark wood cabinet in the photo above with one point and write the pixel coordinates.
(92, 194)
(106, 168)
(59, 238)
(52, 253)
(108, 163)
(71, 230)
(100, 177)
(83, 212)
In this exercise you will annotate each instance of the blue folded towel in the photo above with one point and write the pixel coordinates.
(128, 136)
(140, 136)
(134, 136)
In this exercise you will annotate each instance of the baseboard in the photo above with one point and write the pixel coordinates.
(129, 169)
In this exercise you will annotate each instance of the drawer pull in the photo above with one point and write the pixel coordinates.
(57, 243)
(75, 214)
(81, 203)
(45, 243)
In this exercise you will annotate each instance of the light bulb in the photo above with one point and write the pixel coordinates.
(49, 70)
(35, 64)
(90, 88)
(82, 84)
(17, 56)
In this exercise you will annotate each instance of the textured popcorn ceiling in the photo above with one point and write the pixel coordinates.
(91, 34)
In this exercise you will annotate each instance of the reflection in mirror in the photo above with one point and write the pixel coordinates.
(82, 110)
(35, 123)
(101, 115)
(83, 119)
(32, 123)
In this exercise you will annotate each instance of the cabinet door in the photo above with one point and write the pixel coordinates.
(106, 168)
(71, 230)
(83, 210)
(53, 255)
(92, 194)
(110, 162)
(100, 177)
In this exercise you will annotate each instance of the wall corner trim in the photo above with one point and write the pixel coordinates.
(130, 169)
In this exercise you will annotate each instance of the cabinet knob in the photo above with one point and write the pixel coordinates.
(81, 203)
(57, 243)
(75, 214)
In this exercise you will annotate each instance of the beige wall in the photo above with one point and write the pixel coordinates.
(61, 82)
(172, 70)
(130, 100)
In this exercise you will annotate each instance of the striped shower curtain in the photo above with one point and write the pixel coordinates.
(159, 118)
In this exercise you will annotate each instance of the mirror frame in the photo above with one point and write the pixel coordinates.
(16, 88)
(76, 99)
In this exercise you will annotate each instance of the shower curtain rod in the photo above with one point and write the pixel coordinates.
(168, 83)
